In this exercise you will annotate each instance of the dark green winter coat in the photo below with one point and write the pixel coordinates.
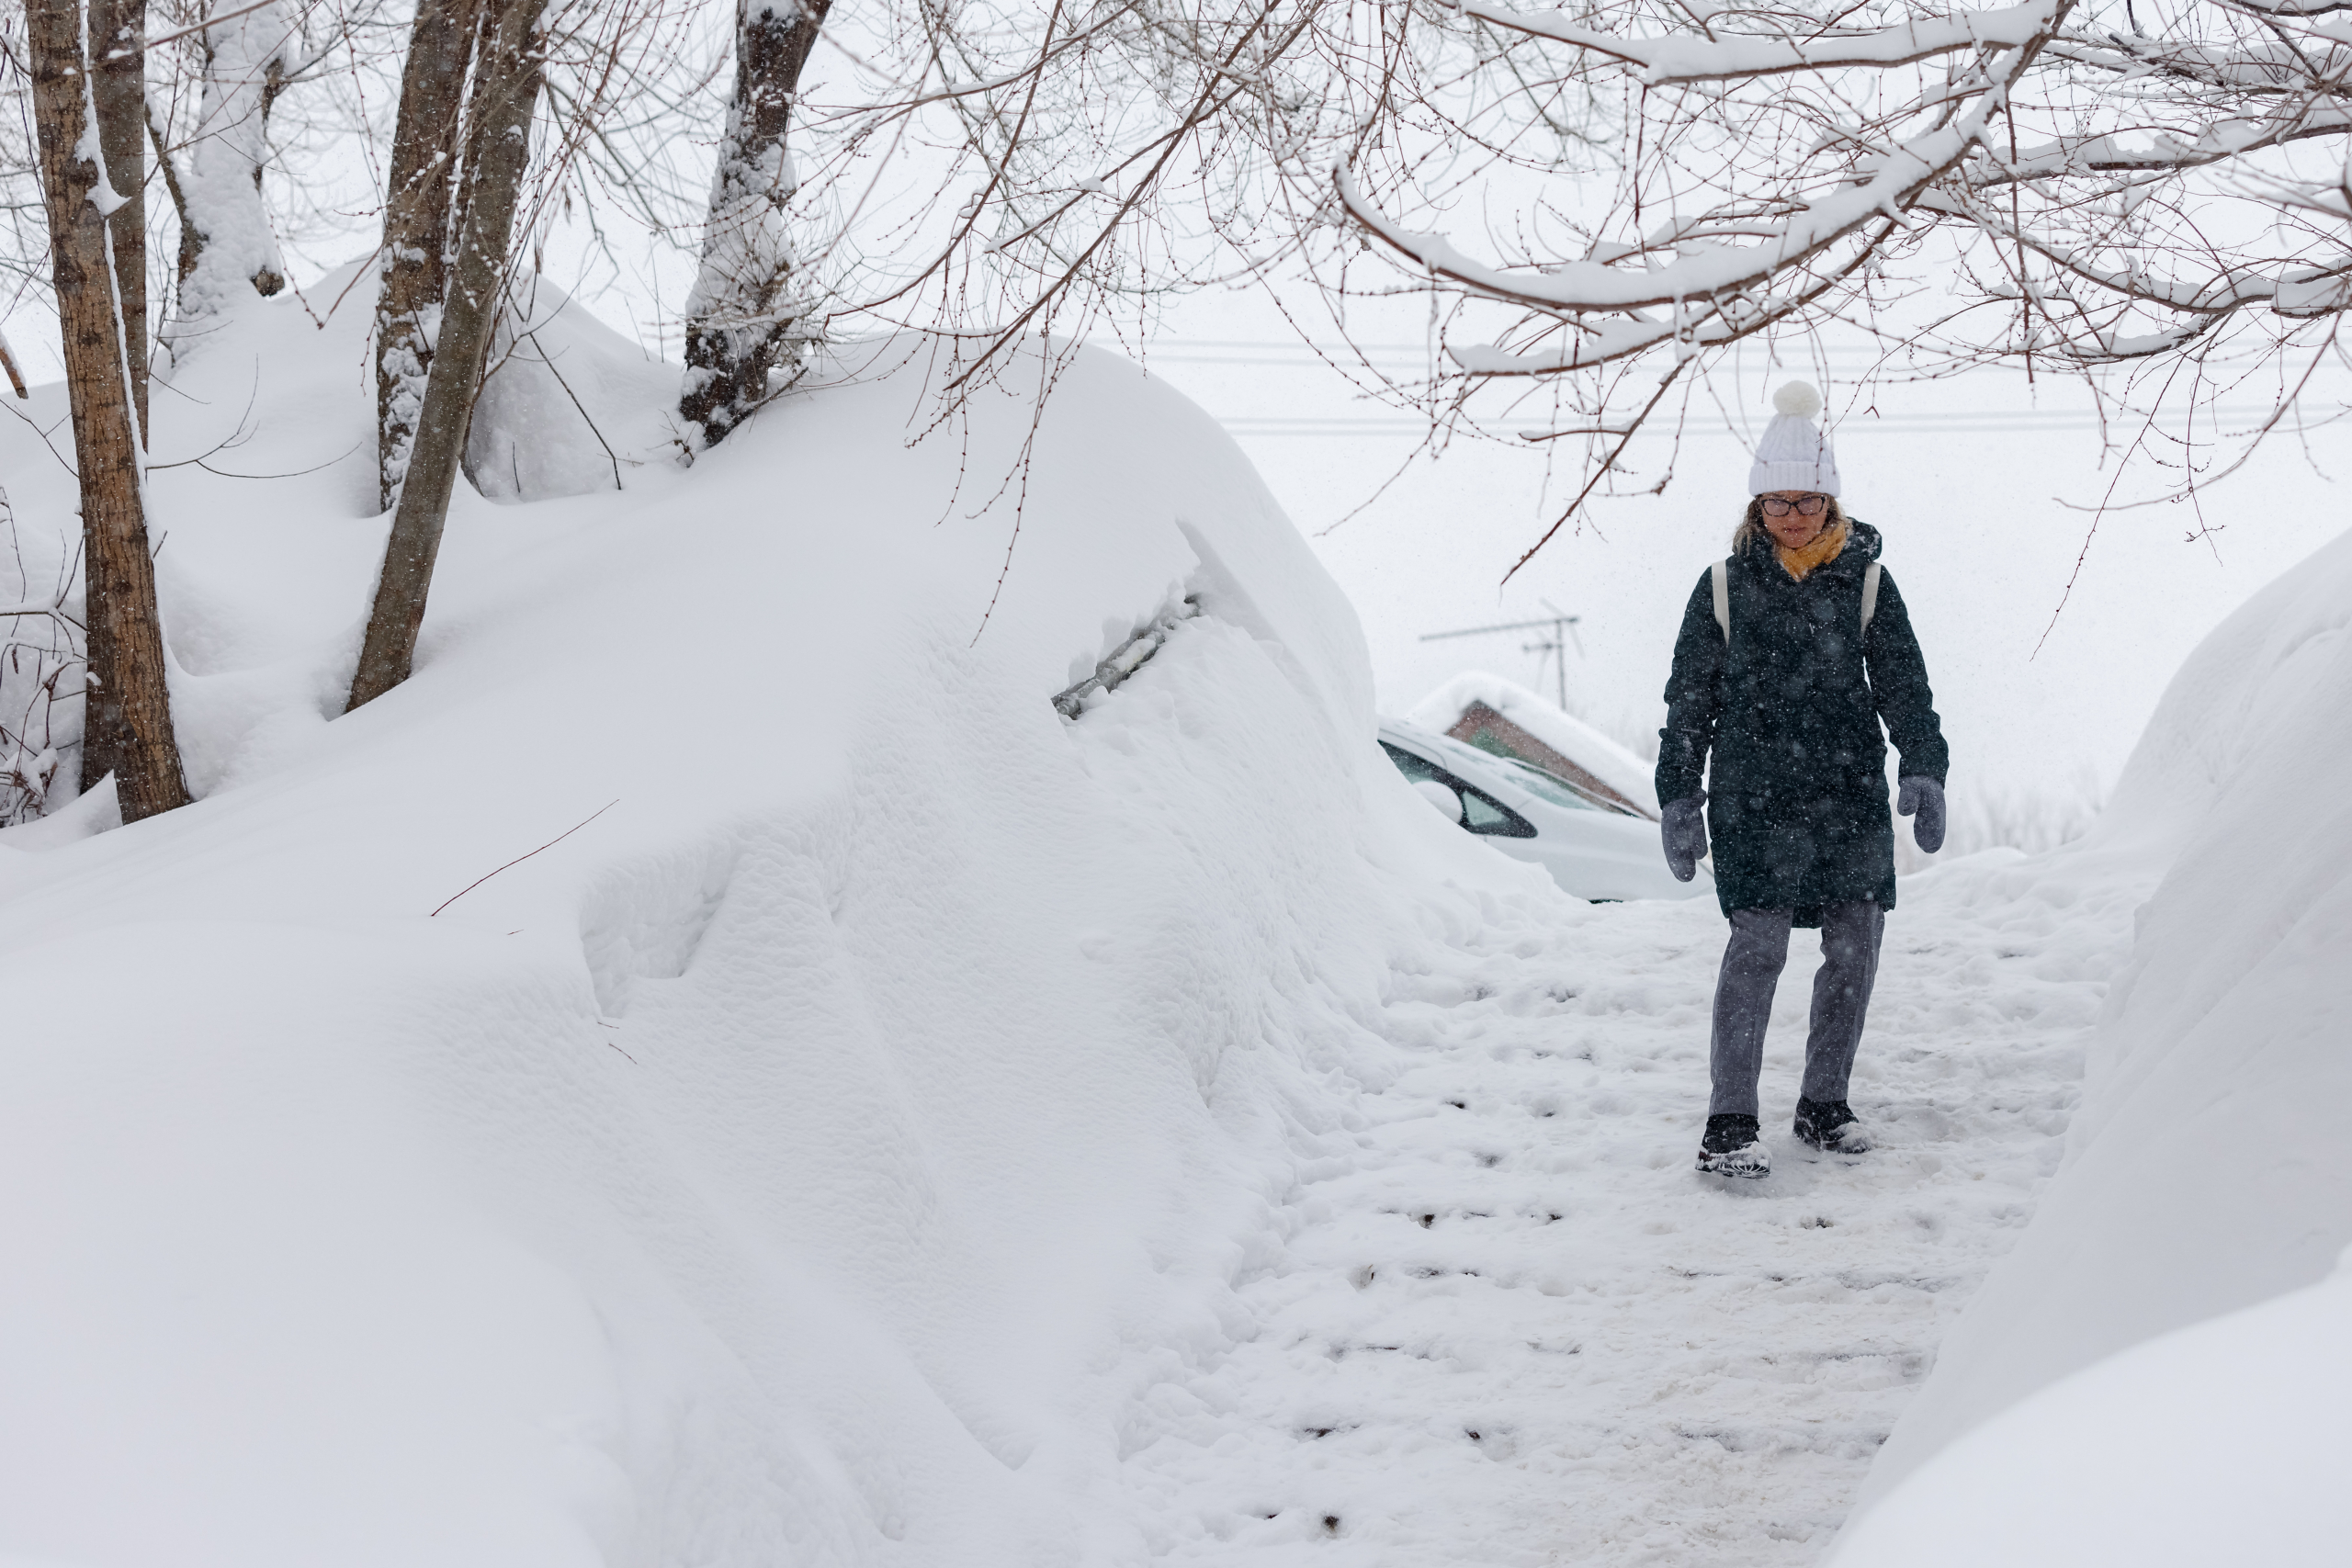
(1789, 716)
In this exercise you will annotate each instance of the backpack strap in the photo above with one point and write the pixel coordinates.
(1719, 574)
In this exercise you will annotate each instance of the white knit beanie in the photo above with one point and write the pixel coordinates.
(1792, 455)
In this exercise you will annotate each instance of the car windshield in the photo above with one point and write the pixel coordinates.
(1444, 752)
(1556, 790)
(1472, 761)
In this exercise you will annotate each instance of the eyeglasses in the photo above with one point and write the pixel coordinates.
(1810, 505)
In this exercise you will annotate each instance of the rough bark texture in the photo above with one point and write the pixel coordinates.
(119, 87)
(737, 313)
(417, 227)
(506, 92)
(127, 727)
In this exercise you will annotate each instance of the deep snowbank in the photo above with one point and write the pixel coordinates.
(2222, 1442)
(811, 1159)
(2207, 1171)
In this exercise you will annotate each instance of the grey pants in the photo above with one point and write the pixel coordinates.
(1841, 997)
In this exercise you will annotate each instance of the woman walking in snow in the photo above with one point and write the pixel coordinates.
(1791, 651)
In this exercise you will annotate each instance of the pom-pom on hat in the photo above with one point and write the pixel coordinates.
(1792, 455)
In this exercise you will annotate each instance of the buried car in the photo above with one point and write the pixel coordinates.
(1593, 847)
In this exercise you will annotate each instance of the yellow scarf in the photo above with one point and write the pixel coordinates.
(1823, 550)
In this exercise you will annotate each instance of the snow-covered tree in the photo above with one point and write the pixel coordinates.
(426, 164)
(994, 176)
(222, 109)
(228, 250)
(127, 727)
(118, 87)
(2152, 194)
(741, 308)
(509, 62)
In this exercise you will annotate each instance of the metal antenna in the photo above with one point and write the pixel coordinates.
(1562, 626)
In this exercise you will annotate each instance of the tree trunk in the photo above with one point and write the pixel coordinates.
(127, 727)
(228, 252)
(506, 92)
(119, 89)
(417, 227)
(737, 313)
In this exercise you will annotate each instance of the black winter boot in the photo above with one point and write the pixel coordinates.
(1732, 1148)
(1831, 1125)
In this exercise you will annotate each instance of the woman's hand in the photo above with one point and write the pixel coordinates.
(1925, 796)
(1684, 824)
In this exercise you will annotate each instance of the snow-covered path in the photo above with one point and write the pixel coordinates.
(1504, 1322)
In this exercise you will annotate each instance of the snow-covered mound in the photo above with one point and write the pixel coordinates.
(2207, 1171)
(715, 1070)
(1605, 758)
(2218, 1443)
(569, 406)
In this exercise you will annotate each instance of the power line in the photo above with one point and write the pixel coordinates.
(1966, 422)
(1562, 625)
(1343, 348)
(1309, 355)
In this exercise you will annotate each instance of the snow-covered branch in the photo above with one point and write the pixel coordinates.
(1667, 59)
(2161, 152)
(2023, 183)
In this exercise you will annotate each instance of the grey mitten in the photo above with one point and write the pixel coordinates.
(1684, 824)
(1925, 797)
